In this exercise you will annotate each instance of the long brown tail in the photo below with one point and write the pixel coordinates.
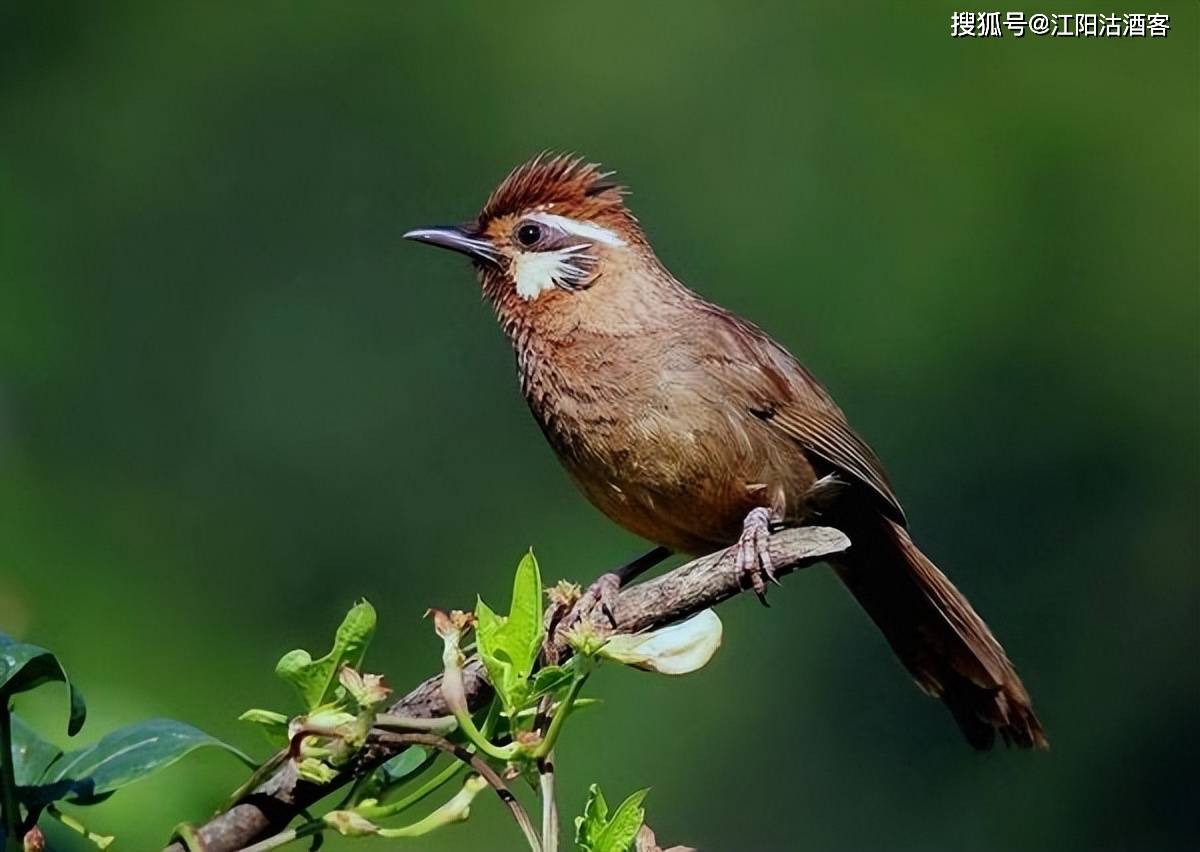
(940, 639)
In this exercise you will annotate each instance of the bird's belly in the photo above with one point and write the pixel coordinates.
(686, 485)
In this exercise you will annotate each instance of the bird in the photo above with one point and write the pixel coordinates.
(692, 428)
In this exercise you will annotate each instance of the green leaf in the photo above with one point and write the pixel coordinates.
(316, 771)
(317, 680)
(550, 679)
(595, 816)
(412, 759)
(496, 660)
(32, 755)
(509, 646)
(595, 831)
(273, 725)
(24, 667)
(263, 717)
(619, 834)
(127, 755)
(524, 628)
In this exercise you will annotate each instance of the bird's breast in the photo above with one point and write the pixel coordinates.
(646, 439)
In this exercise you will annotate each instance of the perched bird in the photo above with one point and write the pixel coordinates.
(692, 428)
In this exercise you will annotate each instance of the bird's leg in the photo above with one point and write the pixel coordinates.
(601, 595)
(635, 568)
(752, 553)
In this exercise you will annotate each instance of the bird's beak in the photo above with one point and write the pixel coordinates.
(456, 238)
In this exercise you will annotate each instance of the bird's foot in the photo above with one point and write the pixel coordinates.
(752, 553)
(571, 609)
(596, 604)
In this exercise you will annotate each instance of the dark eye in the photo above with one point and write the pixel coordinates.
(528, 234)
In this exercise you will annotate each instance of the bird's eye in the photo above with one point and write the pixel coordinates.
(528, 234)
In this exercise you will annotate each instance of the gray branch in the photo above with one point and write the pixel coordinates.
(689, 589)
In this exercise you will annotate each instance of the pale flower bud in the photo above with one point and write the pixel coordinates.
(35, 841)
(350, 824)
(366, 689)
(679, 649)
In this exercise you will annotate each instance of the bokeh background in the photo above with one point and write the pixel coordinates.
(232, 400)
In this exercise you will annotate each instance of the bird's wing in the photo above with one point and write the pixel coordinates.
(830, 437)
(781, 392)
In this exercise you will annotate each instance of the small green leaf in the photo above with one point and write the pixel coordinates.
(499, 666)
(126, 755)
(595, 831)
(409, 761)
(24, 667)
(273, 725)
(550, 679)
(509, 646)
(316, 771)
(619, 834)
(317, 680)
(595, 816)
(487, 626)
(263, 717)
(525, 627)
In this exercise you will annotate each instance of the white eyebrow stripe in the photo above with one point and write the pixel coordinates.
(587, 230)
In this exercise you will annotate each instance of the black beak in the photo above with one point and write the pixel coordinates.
(456, 238)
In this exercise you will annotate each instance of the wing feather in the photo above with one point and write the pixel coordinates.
(781, 392)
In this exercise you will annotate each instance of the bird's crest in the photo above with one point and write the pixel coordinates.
(562, 183)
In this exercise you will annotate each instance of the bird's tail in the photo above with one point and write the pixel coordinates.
(940, 639)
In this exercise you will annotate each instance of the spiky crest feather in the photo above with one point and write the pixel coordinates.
(563, 183)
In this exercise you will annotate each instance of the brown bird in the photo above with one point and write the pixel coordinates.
(690, 427)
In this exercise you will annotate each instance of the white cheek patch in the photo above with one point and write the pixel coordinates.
(587, 230)
(535, 272)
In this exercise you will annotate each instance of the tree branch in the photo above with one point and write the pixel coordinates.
(664, 600)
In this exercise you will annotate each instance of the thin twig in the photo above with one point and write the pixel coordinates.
(101, 841)
(545, 767)
(428, 788)
(475, 762)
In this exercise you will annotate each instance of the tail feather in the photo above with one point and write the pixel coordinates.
(939, 637)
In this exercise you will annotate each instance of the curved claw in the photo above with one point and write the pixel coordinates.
(753, 553)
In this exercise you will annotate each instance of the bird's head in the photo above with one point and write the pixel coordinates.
(553, 230)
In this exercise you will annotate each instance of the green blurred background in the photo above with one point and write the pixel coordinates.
(232, 399)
